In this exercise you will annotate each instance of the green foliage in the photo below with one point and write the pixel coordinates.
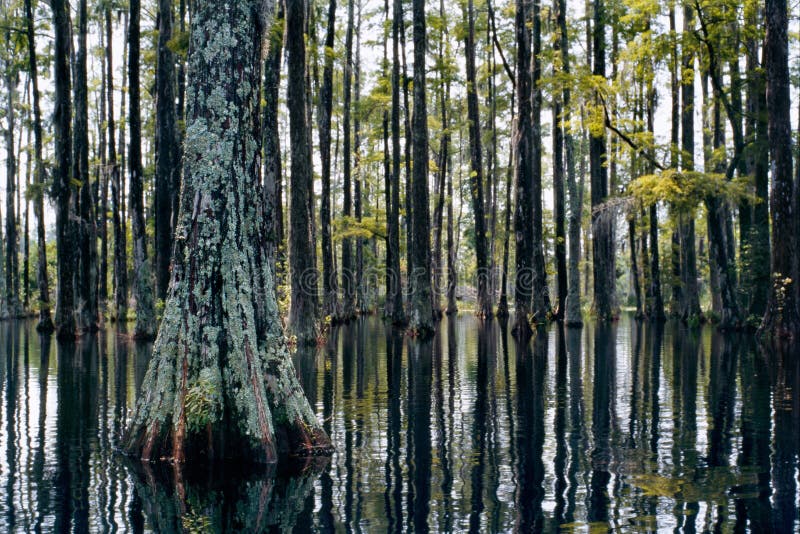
(202, 399)
(368, 228)
(685, 189)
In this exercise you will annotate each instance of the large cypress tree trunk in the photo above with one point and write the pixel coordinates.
(602, 216)
(166, 146)
(420, 308)
(45, 323)
(394, 292)
(483, 306)
(86, 277)
(330, 285)
(62, 186)
(781, 317)
(303, 271)
(523, 178)
(142, 284)
(221, 383)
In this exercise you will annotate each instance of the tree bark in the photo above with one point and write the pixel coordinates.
(166, 146)
(45, 323)
(781, 318)
(13, 308)
(86, 229)
(483, 306)
(273, 178)
(221, 383)
(523, 178)
(142, 284)
(394, 293)
(330, 284)
(690, 292)
(602, 215)
(62, 186)
(420, 308)
(348, 299)
(540, 305)
(303, 271)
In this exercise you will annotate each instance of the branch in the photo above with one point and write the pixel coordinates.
(498, 47)
(630, 142)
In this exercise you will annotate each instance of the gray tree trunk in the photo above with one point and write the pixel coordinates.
(221, 383)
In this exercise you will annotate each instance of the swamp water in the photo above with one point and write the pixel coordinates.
(626, 428)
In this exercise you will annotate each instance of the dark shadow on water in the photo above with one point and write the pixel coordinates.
(226, 497)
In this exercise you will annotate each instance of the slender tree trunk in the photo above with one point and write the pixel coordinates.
(142, 284)
(330, 284)
(654, 288)
(273, 179)
(166, 146)
(358, 278)
(180, 112)
(12, 240)
(120, 310)
(572, 302)
(690, 302)
(348, 301)
(675, 107)
(26, 251)
(221, 383)
(86, 230)
(420, 308)
(102, 285)
(441, 177)
(502, 304)
(558, 173)
(394, 295)
(62, 186)
(540, 305)
(303, 271)
(781, 318)
(523, 177)
(602, 215)
(45, 323)
(409, 143)
(483, 307)
(637, 288)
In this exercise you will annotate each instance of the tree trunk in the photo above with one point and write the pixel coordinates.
(502, 304)
(540, 305)
(303, 271)
(523, 178)
(559, 145)
(221, 383)
(653, 290)
(102, 290)
(273, 179)
(348, 300)
(781, 318)
(690, 292)
(62, 186)
(142, 284)
(572, 313)
(420, 308)
(166, 147)
(45, 323)
(330, 284)
(358, 276)
(602, 215)
(120, 309)
(12, 242)
(394, 292)
(86, 230)
(483, 306)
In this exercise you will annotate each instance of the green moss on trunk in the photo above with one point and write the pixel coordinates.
(221, 383)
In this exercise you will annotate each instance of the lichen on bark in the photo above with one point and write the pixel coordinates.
(220, 340)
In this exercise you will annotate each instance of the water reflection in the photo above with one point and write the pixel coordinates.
(630, 427)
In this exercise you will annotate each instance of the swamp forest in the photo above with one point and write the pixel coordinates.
(399, 266)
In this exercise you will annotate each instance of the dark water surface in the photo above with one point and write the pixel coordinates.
(630, 428)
